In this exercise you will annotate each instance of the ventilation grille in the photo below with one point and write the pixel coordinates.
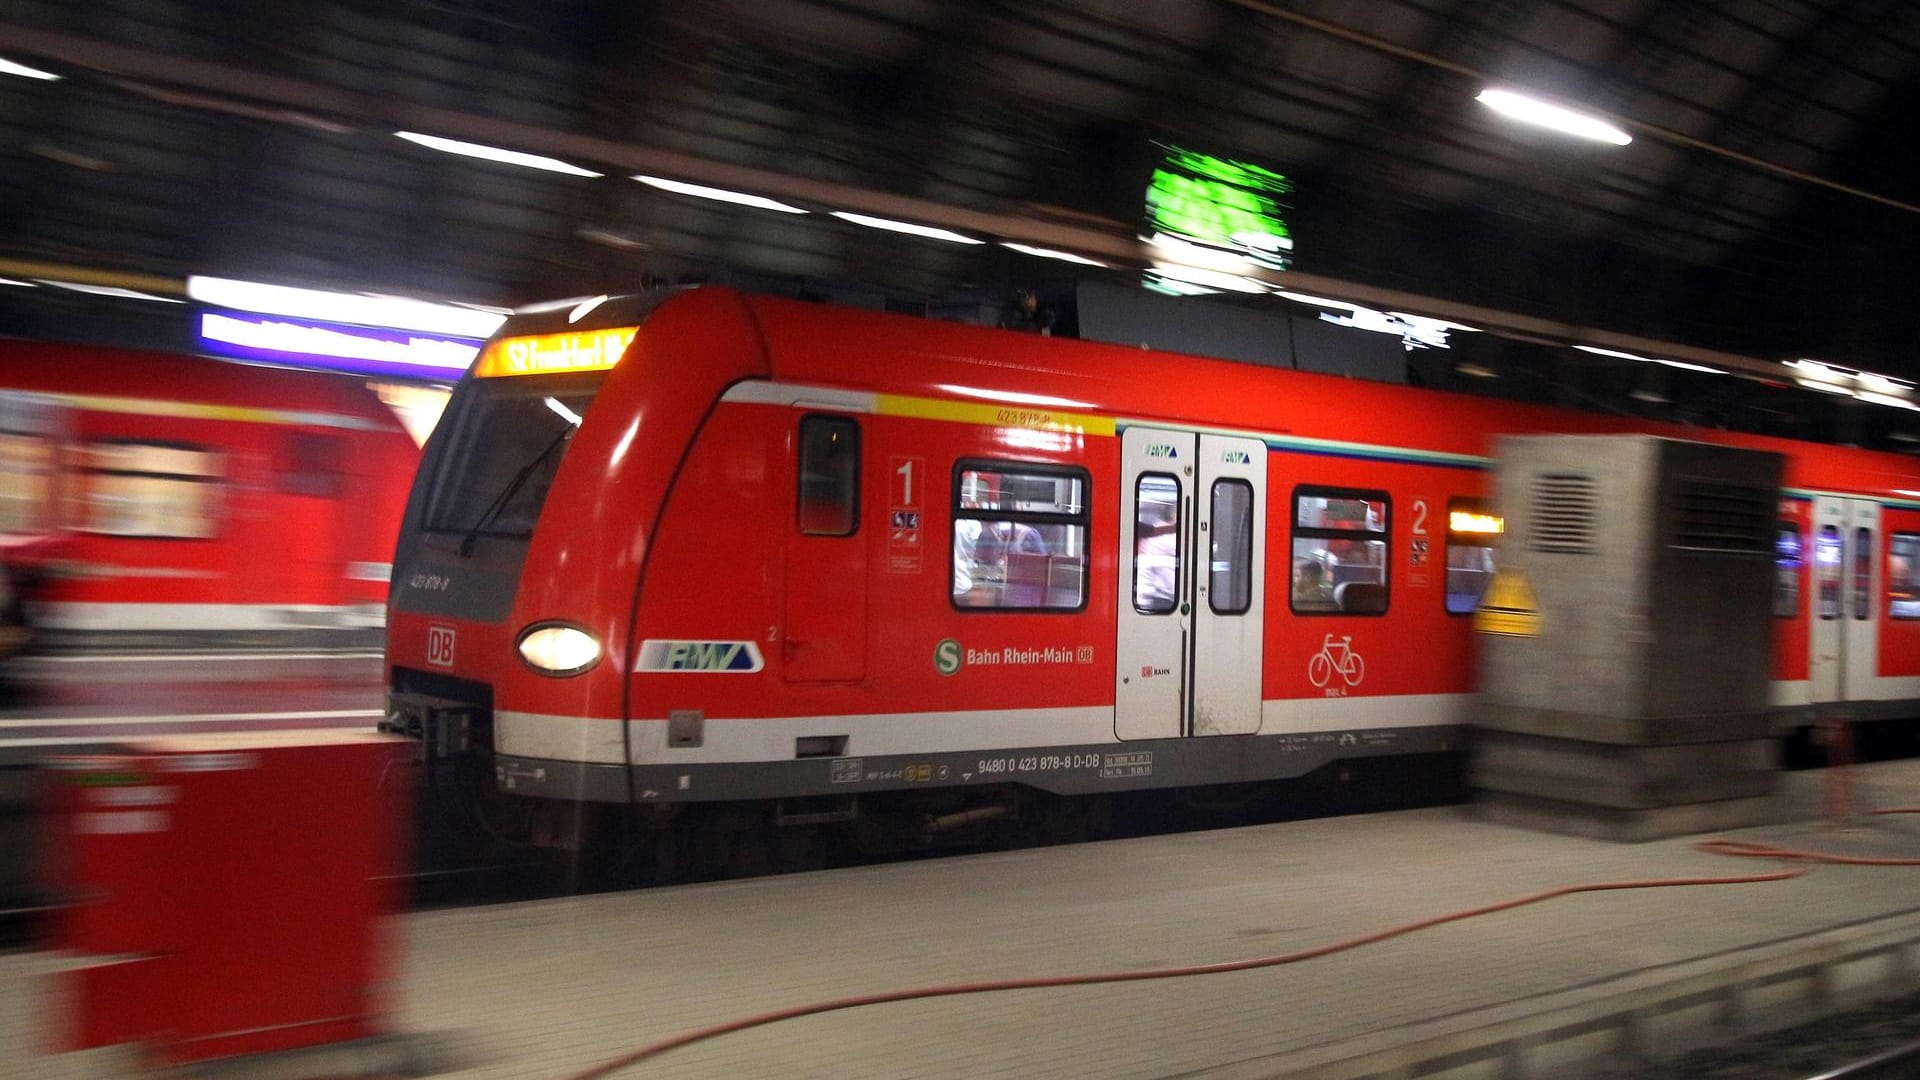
(1716, 516)
(1563, 511)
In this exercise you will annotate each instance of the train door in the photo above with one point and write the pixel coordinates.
(1845, 546)
(824, 631)
(1191, 584)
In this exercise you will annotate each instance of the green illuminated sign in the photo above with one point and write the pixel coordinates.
(1216, 201)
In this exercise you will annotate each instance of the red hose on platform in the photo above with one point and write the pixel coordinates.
(1803, 861)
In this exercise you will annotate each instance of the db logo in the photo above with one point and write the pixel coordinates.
(440, 646)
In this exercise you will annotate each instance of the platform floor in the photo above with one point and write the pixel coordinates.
(542, 989)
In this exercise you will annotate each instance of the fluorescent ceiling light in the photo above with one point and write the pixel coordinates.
(1651, 360)
(8, 67)
(20, 284)
(1881, 384)
(1049, 253)
(1534, 111)
(1012, 397)
(1210, 279)
(108, 290)
(1887, 399)
(1320, 301)
(907, 227)
(563, 412)
(494, 153)
(1814, 369)
(396, 312)
(1475, 371)
(1825, 388)
(1441, 323)
(1185, 253)
(700, 191)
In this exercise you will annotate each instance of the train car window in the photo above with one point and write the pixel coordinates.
(314, 465)
(1019, 537)
(152, 490)
(829, 476)
(1787, 552)
(26, 482)
(1156, 544)
(1472, 531)
(1826, 563)
(1340, 544)
(1862, 574)
(1230, 565)
(1903, 577)
(506, 439)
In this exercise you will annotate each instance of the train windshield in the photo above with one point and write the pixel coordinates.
(507, 439)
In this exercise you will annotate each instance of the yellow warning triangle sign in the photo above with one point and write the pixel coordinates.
(1508, 607)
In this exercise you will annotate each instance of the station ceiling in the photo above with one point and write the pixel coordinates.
(1768, 206)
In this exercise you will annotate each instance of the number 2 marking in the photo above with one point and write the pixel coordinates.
(1419, 517)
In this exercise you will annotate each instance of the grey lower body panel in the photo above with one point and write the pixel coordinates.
(1061, 770)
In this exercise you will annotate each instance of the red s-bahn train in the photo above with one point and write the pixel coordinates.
(708, 547)
(154, 493)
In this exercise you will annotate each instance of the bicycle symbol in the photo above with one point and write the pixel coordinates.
(1336, 657)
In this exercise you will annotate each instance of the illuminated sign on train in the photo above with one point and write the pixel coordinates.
(548, 354)
(1462, 521)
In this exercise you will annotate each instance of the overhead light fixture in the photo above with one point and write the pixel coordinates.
(907, 227)
(1682, 365)
(108, 290)
(1529, 110)
(18, 284)
(8, 67)
(494, 153)
(1318, 301)
(701, 191)
(397, 312)
(1475, 371)
(1889, 400)
(1209, 279)
(1175, 288)
(1049, 253)
(1172, 249)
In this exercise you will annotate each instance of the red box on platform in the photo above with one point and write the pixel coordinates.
(241, 883)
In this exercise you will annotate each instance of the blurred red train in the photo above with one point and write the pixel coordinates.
(160, 493)
(780, 552)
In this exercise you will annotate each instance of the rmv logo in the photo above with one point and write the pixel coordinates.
(708, 656)
(1236, 457)
(440, 645)
(1161, 450)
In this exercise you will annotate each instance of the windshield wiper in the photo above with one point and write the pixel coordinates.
(507, 493)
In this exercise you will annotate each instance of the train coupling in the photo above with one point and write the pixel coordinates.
(440, 727)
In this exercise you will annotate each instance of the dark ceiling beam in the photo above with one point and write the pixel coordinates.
(1119, 247)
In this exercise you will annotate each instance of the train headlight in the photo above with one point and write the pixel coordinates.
(558, 649)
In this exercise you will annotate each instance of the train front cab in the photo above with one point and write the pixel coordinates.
(530, 521)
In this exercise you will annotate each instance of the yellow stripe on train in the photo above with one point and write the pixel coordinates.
(1036, 417)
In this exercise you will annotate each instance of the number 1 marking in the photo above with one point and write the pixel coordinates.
(906, 473)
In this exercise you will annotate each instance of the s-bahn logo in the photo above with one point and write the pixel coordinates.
(439, 645)
(947, 656)
(725, 656)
